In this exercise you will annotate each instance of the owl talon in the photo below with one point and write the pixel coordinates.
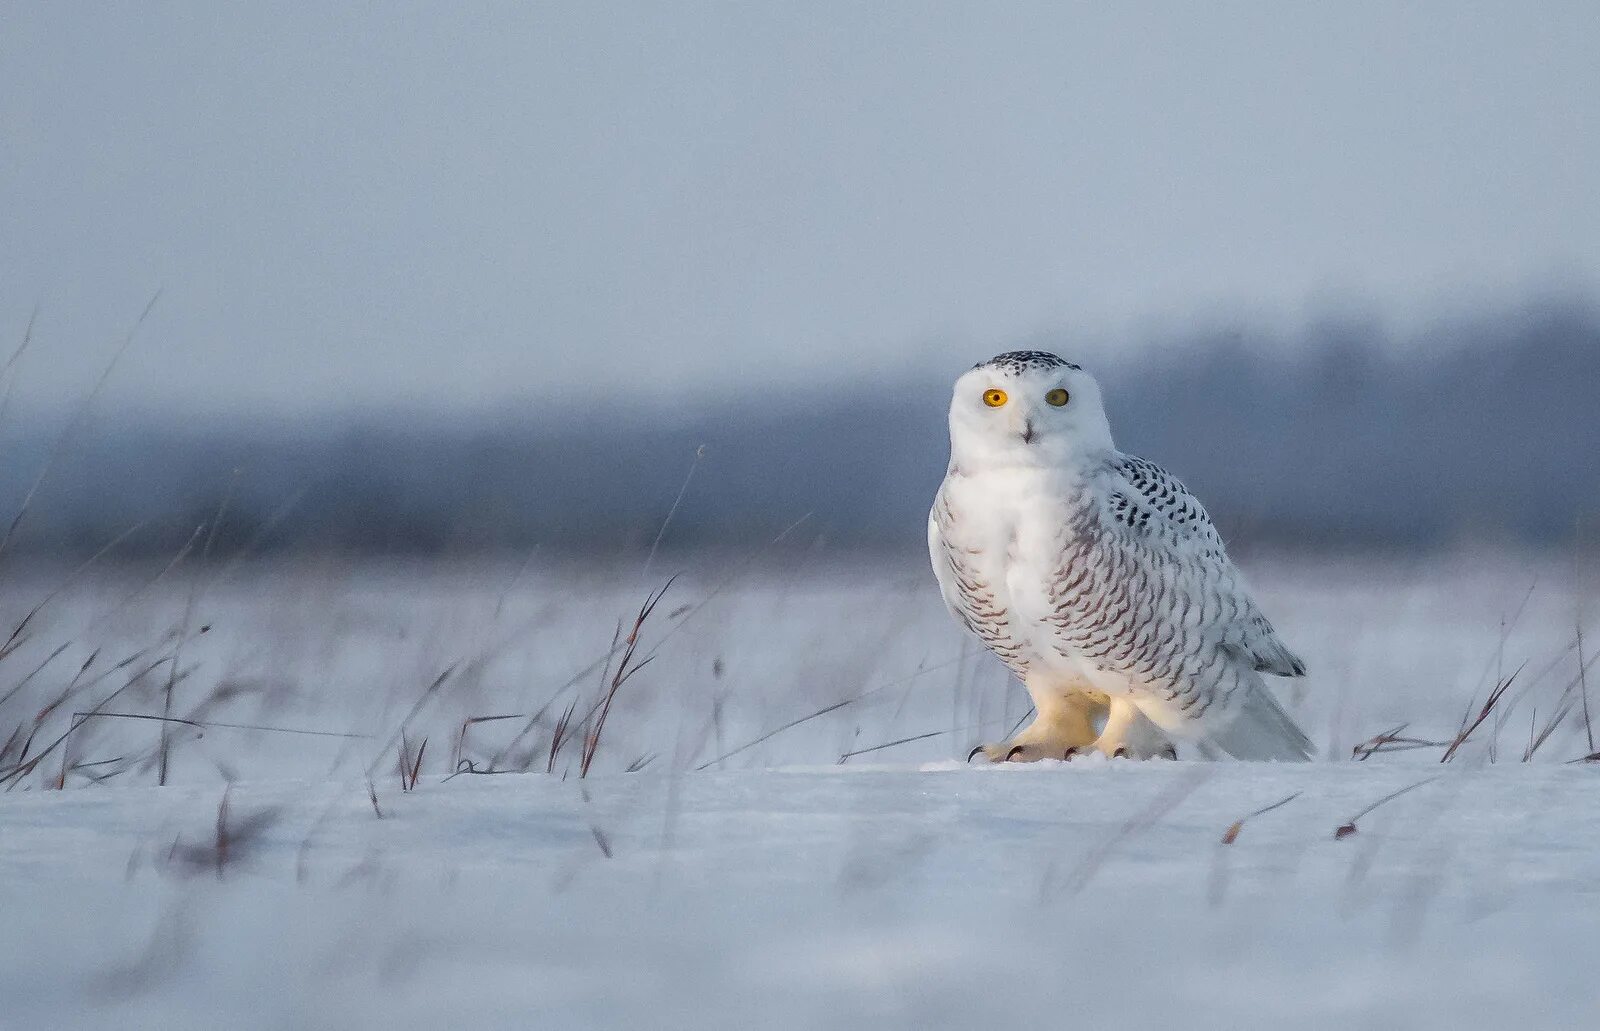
(1028, 751)
(1120, 752)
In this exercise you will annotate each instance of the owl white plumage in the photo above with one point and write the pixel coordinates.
(1098, 579)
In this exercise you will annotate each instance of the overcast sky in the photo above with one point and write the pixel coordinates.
(464, 203)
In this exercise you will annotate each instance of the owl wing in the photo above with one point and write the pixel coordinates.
(944, 569)
(969, 597)
(1174, 571)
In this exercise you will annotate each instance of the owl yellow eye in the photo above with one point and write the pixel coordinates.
(994, 397)
(1056, 397)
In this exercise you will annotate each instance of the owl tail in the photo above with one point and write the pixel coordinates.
(1259, 731)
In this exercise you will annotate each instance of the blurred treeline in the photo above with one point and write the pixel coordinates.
(1486, 428)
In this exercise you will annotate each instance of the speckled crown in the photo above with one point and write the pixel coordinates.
(1021, 361)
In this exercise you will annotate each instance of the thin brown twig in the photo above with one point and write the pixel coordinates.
(1488, 707)
(1348, 828)
(1392, 741)
(558, 736)
(1498, 655)
(626, 668)
(1231, 835)
(416, 764)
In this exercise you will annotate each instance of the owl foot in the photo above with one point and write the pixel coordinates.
(1025, 752)
(1063, 726)
(1128, 734)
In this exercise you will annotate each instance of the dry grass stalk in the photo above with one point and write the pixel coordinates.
(1391, 741)
(1536, 740)
(1348, 828)
(18, 637)
(35, 672)
(890, 744)
(559, 736)
(458, 755)
(1467, 727)
(627, 666)
(655, 545)
(13, 775)
(73, 425)
(195, 589)
(603, 661)
(1583, 681)
(410, 764)
(399, 731)
(1231, 835)
(775, 732)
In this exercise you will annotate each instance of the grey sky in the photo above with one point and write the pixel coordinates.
(464, 203)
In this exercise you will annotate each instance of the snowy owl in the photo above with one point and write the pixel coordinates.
(1098, 579)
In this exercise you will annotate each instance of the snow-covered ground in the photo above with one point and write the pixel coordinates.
(775, 887)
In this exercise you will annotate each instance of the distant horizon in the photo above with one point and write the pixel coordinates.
(1153, 339)
(1485, 427)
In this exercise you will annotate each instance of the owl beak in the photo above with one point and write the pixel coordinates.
(1027, 431)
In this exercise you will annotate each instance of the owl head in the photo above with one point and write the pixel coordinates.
(1027, 408)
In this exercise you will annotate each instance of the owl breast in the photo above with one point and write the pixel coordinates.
(999, 536)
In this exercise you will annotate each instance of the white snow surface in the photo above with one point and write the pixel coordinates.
(779, 887)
